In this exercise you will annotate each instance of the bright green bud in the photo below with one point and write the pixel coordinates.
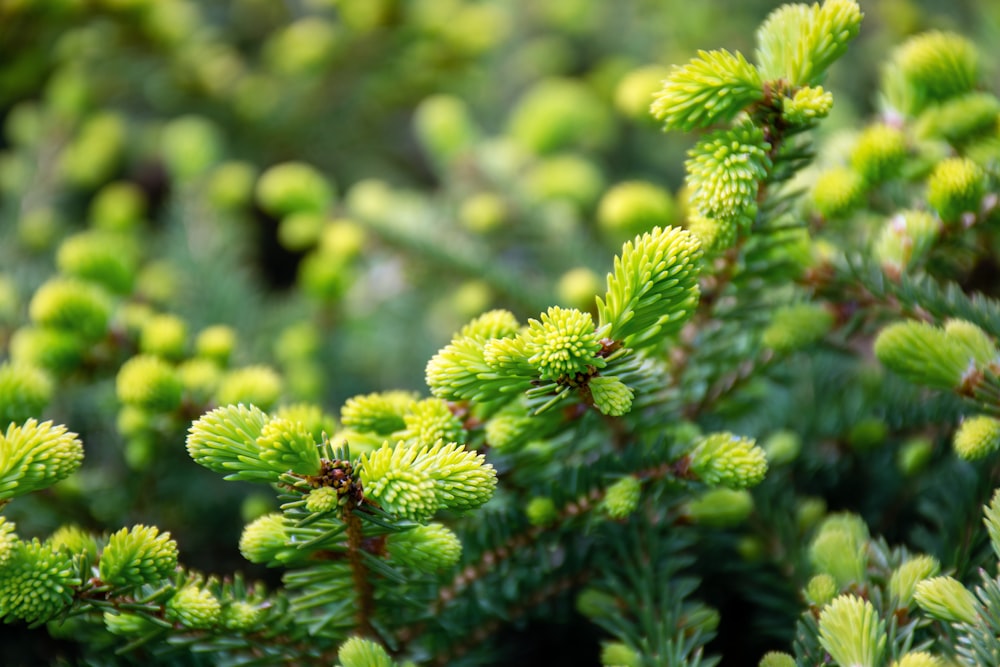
(124, 624)
(216, 343)
(839, 553)
(190, 146)
(73, 306)
(935, 66)
(809, 512)
(36, 456)
(159, 282)
(852, 633)
(360, 652)
(297, 342)
(302, 47)
(117, 207)
(230, 185)
(301, 230)
(427, 548)
(462, 478)
(946, 599)
(483, 212)
(490, 325)
(322, 500)
(149, 383)
(923, 354)
(163, 336)
(715, 236)
(36, 583)
(24, 392)
(461, 371)
(389, 476)
(559, 113)
(914, 455)
(225, 440)
(634, 207)
(617, 654)
(850, 523)
(711, 88)
(137, 556)
(287, 446)
(919, 659)
(95, 151)
(71, 539)
(380, 413)
(200, 378)
(879, 153)
(293, 186)
(654, 287)
(100, 257)
(541, 511)
(265, 539)
(565, 177)
(311, 416)
(992, 521)
(241, 616)
(724, 459)
(578, 287)
(444, 126)
(719, 507)
(431, 420)
(796, 326)
(821, 589)
(808, 104)
(961, 118)
(509, 428)
(563, 344)
(867, 433)
(724, 170)
(976, 342)
(906, 239)
(471, 297)
(977, 437)
(611, 396)
(782, 447)
(776, 659)
(8, 540)
(259, 385)
(956, 187)
(798, 42)
(49, 349)
(507, 361)
(837, 192)
(635, 89)
(904, 579)
(39, 228)
(194, 608)
(596, 604)
(622, 497)
(323, 277)
(415, 482)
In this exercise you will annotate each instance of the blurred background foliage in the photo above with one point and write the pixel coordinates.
(447, 157)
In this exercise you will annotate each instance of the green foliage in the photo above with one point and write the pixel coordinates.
(257, 225)
(138, 556)
(36, 583)
(713, 87)
(852, 632)
(35, 456)
(724, 459)
(653, 289)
